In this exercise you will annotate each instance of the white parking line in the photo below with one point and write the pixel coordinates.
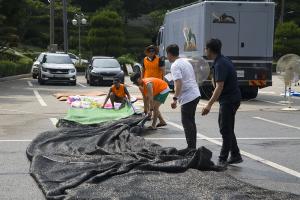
(271, 102)
(29, 83)
(200, 138)
(54, 121)
(81, 85)
(266, 92)
(278, 123)
(15, 140)
(39, 98)
(249, 155)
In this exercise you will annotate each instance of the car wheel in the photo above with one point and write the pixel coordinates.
(91, 81)
(40, 80)
(73, 83)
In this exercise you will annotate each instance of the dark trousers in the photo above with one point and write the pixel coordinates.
(188, 112)
(226, 124)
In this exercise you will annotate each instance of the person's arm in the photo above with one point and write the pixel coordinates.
(143, 70)
(216, 94)
(145, 100)
(177, 77)
(107, 97)
(127, 94)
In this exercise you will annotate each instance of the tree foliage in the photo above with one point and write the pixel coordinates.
(106, 35)
(287, 39)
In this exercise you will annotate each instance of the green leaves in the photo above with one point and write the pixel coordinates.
(287, 39)
(106, 35)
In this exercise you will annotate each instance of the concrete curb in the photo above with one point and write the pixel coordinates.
(10, 78)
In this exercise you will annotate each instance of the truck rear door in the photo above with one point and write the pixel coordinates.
(253, 34)
(225, 26)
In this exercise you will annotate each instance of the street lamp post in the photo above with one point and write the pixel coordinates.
(79, 20)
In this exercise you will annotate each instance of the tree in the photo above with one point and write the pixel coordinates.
(287, 39)
(106, 35)
(156, 20)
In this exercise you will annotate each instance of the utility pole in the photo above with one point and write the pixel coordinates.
(65, 25)
(51, 22)
(282, 11)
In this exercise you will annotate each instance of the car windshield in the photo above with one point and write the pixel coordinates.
(58, 59)
(106, 63)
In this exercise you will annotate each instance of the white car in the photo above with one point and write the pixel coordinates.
(56, 67)
(36, 65)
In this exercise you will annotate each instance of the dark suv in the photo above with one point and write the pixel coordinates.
(103, 70)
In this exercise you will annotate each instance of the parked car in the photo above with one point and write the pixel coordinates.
(103, 70)
(36, 64)
(56, 67)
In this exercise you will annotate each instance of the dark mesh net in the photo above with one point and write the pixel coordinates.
(106, 161)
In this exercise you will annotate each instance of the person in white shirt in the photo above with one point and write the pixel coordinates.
(186, 93)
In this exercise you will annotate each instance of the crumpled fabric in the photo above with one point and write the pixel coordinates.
(107, 161)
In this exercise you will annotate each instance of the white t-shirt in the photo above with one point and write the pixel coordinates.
(182, 69)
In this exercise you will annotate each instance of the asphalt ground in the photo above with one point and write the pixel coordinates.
(268, 137)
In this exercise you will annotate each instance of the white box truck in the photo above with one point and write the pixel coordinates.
(246, 29)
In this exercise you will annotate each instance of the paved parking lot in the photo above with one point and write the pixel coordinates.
(268, 136)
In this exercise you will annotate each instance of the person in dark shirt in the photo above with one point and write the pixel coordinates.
(228, 93)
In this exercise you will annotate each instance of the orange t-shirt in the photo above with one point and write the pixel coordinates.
(119, 92)
(152, 68)
(157, 84)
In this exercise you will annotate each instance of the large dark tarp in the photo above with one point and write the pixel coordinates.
(108, 162)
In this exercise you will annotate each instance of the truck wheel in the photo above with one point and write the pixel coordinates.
(206, 91)
(249, 92)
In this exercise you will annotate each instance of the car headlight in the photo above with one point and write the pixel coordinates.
(44, 69)
(72, 70)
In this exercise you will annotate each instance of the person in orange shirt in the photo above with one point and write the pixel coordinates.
(117, 93)
(155, 92)
(153, 66)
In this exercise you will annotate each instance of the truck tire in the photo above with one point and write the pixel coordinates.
(249, 92)
(206, 91)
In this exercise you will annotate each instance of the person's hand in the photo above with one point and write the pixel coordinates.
(206, 110)
(174, 104)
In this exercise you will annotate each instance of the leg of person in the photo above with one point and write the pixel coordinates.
(188, 122)
(155, 113)
(235, 151)
(162, 122)
(225, 125)
(161, 98)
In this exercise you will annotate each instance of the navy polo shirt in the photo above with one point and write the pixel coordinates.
(224, 71)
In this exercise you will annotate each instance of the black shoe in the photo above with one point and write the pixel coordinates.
(222, 164)
(235, 160)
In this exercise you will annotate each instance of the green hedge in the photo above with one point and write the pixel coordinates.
(9, 68)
